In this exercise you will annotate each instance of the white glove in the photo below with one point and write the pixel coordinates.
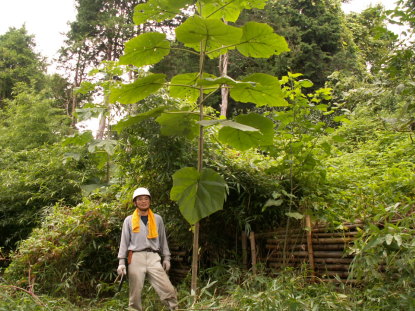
(166, 265)
(122, 270)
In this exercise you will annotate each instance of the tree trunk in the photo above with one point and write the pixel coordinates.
(223, 69)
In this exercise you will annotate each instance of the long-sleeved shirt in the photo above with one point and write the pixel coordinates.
(138, 241)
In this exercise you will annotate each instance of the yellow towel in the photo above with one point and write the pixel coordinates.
(152, 226)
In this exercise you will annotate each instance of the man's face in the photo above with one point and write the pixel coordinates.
(142, 202)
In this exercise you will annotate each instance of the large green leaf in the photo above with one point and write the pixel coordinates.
(179, 123)
(138, 90)
(129, 121)
(158, 10)
(259, 40)
(227, 10)
(229, 123)
(242, 139)
(198, 194)
(212, 32)
(146, 49)
(264, 90)
(186, 86)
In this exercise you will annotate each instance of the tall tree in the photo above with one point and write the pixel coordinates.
(370, 33)
(98, 33)
(19, 62)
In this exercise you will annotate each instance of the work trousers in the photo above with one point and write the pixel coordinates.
(149, 263)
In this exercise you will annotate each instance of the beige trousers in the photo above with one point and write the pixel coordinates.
(149, 263)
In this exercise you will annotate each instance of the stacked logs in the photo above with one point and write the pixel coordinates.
(321, 249)
(180, 266)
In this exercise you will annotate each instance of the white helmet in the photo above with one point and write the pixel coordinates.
(141, 191)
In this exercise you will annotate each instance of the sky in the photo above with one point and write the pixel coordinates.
(48, 19)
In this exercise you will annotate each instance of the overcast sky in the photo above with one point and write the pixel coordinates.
(48, 19)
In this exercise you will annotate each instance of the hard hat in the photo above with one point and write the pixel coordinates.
(141, 191)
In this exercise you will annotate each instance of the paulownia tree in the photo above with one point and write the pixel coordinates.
(209, 33)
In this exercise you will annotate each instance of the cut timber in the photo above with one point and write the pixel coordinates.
(328, 247)
(316, 260)
(315, 240)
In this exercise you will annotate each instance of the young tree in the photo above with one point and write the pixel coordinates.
(201, 191)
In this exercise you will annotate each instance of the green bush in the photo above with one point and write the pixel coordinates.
(73, 251)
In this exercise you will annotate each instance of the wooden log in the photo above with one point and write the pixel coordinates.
(315, 234)
(328, 247)
(320, 228)
(178, 253)
(253, 251)
(315, 240)
(310, 246)
(289, 247)
(332, 240)
(316, 260)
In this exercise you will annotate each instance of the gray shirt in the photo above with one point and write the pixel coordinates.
(131, 241)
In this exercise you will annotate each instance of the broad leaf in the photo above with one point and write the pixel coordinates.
(179, 123)
(243, 140)
(107, 145)
(138, 90)
(212, 32)
(259, 40)
(198, 194)
(121, 125)
(79, 139)
(217, 81)
(229, 123)
(146, 49)
(263, 90)
(228, 10)
(295, 215)
(158, 10)
(186, 86)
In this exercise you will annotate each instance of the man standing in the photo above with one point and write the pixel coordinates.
(143, 241)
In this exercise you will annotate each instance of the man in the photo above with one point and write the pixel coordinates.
(143, 241)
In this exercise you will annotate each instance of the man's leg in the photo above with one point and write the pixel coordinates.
(136, 276)
(160, 281)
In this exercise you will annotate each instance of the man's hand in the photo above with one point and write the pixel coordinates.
(166, 265)
(122, 270)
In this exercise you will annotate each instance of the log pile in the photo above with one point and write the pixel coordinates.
(180, 267)
(318, 247)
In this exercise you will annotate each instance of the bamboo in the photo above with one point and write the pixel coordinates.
(310, 246)
(244, 240)
(253, 251)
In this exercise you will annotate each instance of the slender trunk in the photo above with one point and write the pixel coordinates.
(253, 251)
(223, 68)
(103, 119)
(244, 250)
(195, 254)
